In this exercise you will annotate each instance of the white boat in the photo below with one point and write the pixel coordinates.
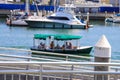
(63, 18)
(114, 19)
(109, 19)
(18, 20)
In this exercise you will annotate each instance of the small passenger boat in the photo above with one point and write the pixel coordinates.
(66, 44)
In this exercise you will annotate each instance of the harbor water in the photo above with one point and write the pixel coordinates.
(22, 36)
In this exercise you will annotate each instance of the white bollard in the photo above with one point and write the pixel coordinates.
(102, 53)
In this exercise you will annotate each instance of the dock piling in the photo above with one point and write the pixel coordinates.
(102, 53)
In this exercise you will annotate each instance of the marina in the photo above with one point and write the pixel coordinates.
(22, 38)
(58, 50)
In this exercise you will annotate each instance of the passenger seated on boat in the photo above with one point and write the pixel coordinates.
(74, 47)
(57, 46)
(63, 46)
(52, 45)
(66, 45)
(41, 46)
(70, 45)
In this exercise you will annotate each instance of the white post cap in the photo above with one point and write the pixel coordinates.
(102, 48)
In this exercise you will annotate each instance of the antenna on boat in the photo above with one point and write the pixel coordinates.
(36, 5)
(10, 17)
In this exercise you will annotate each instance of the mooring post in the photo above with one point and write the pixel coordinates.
(88, 14)
(87, 21)
(102, 53)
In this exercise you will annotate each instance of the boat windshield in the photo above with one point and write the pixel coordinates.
(61, 9)
(57, 18)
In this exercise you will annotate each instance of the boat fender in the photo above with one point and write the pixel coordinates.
(8, 22)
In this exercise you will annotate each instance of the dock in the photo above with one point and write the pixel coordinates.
(92, 16)
(96, 16)
(4, 13)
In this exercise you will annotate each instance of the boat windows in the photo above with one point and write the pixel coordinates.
(60, 9)
(72, 18)
(58, 18)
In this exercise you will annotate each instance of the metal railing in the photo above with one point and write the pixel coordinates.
(17, 67)
(44, 55)
(62, 70)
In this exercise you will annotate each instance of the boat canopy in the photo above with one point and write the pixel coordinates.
(57, 36)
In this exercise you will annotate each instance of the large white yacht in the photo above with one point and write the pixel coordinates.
(62, 18)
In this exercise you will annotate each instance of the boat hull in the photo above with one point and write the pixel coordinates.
(108, 20)
(116, 20)
(19, 22)
(80, 51)
(43, 24)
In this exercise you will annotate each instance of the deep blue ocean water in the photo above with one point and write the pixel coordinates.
(22, 37)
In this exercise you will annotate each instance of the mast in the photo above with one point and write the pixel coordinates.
(119, 5)
(54, 5)
(37, 10)
(27, 11)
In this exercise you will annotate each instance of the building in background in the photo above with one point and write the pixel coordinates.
(60, 2)
(55, 2)
(115, 3)
(45, 2)
(102, 1)
(93, 0)
(105, 1)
